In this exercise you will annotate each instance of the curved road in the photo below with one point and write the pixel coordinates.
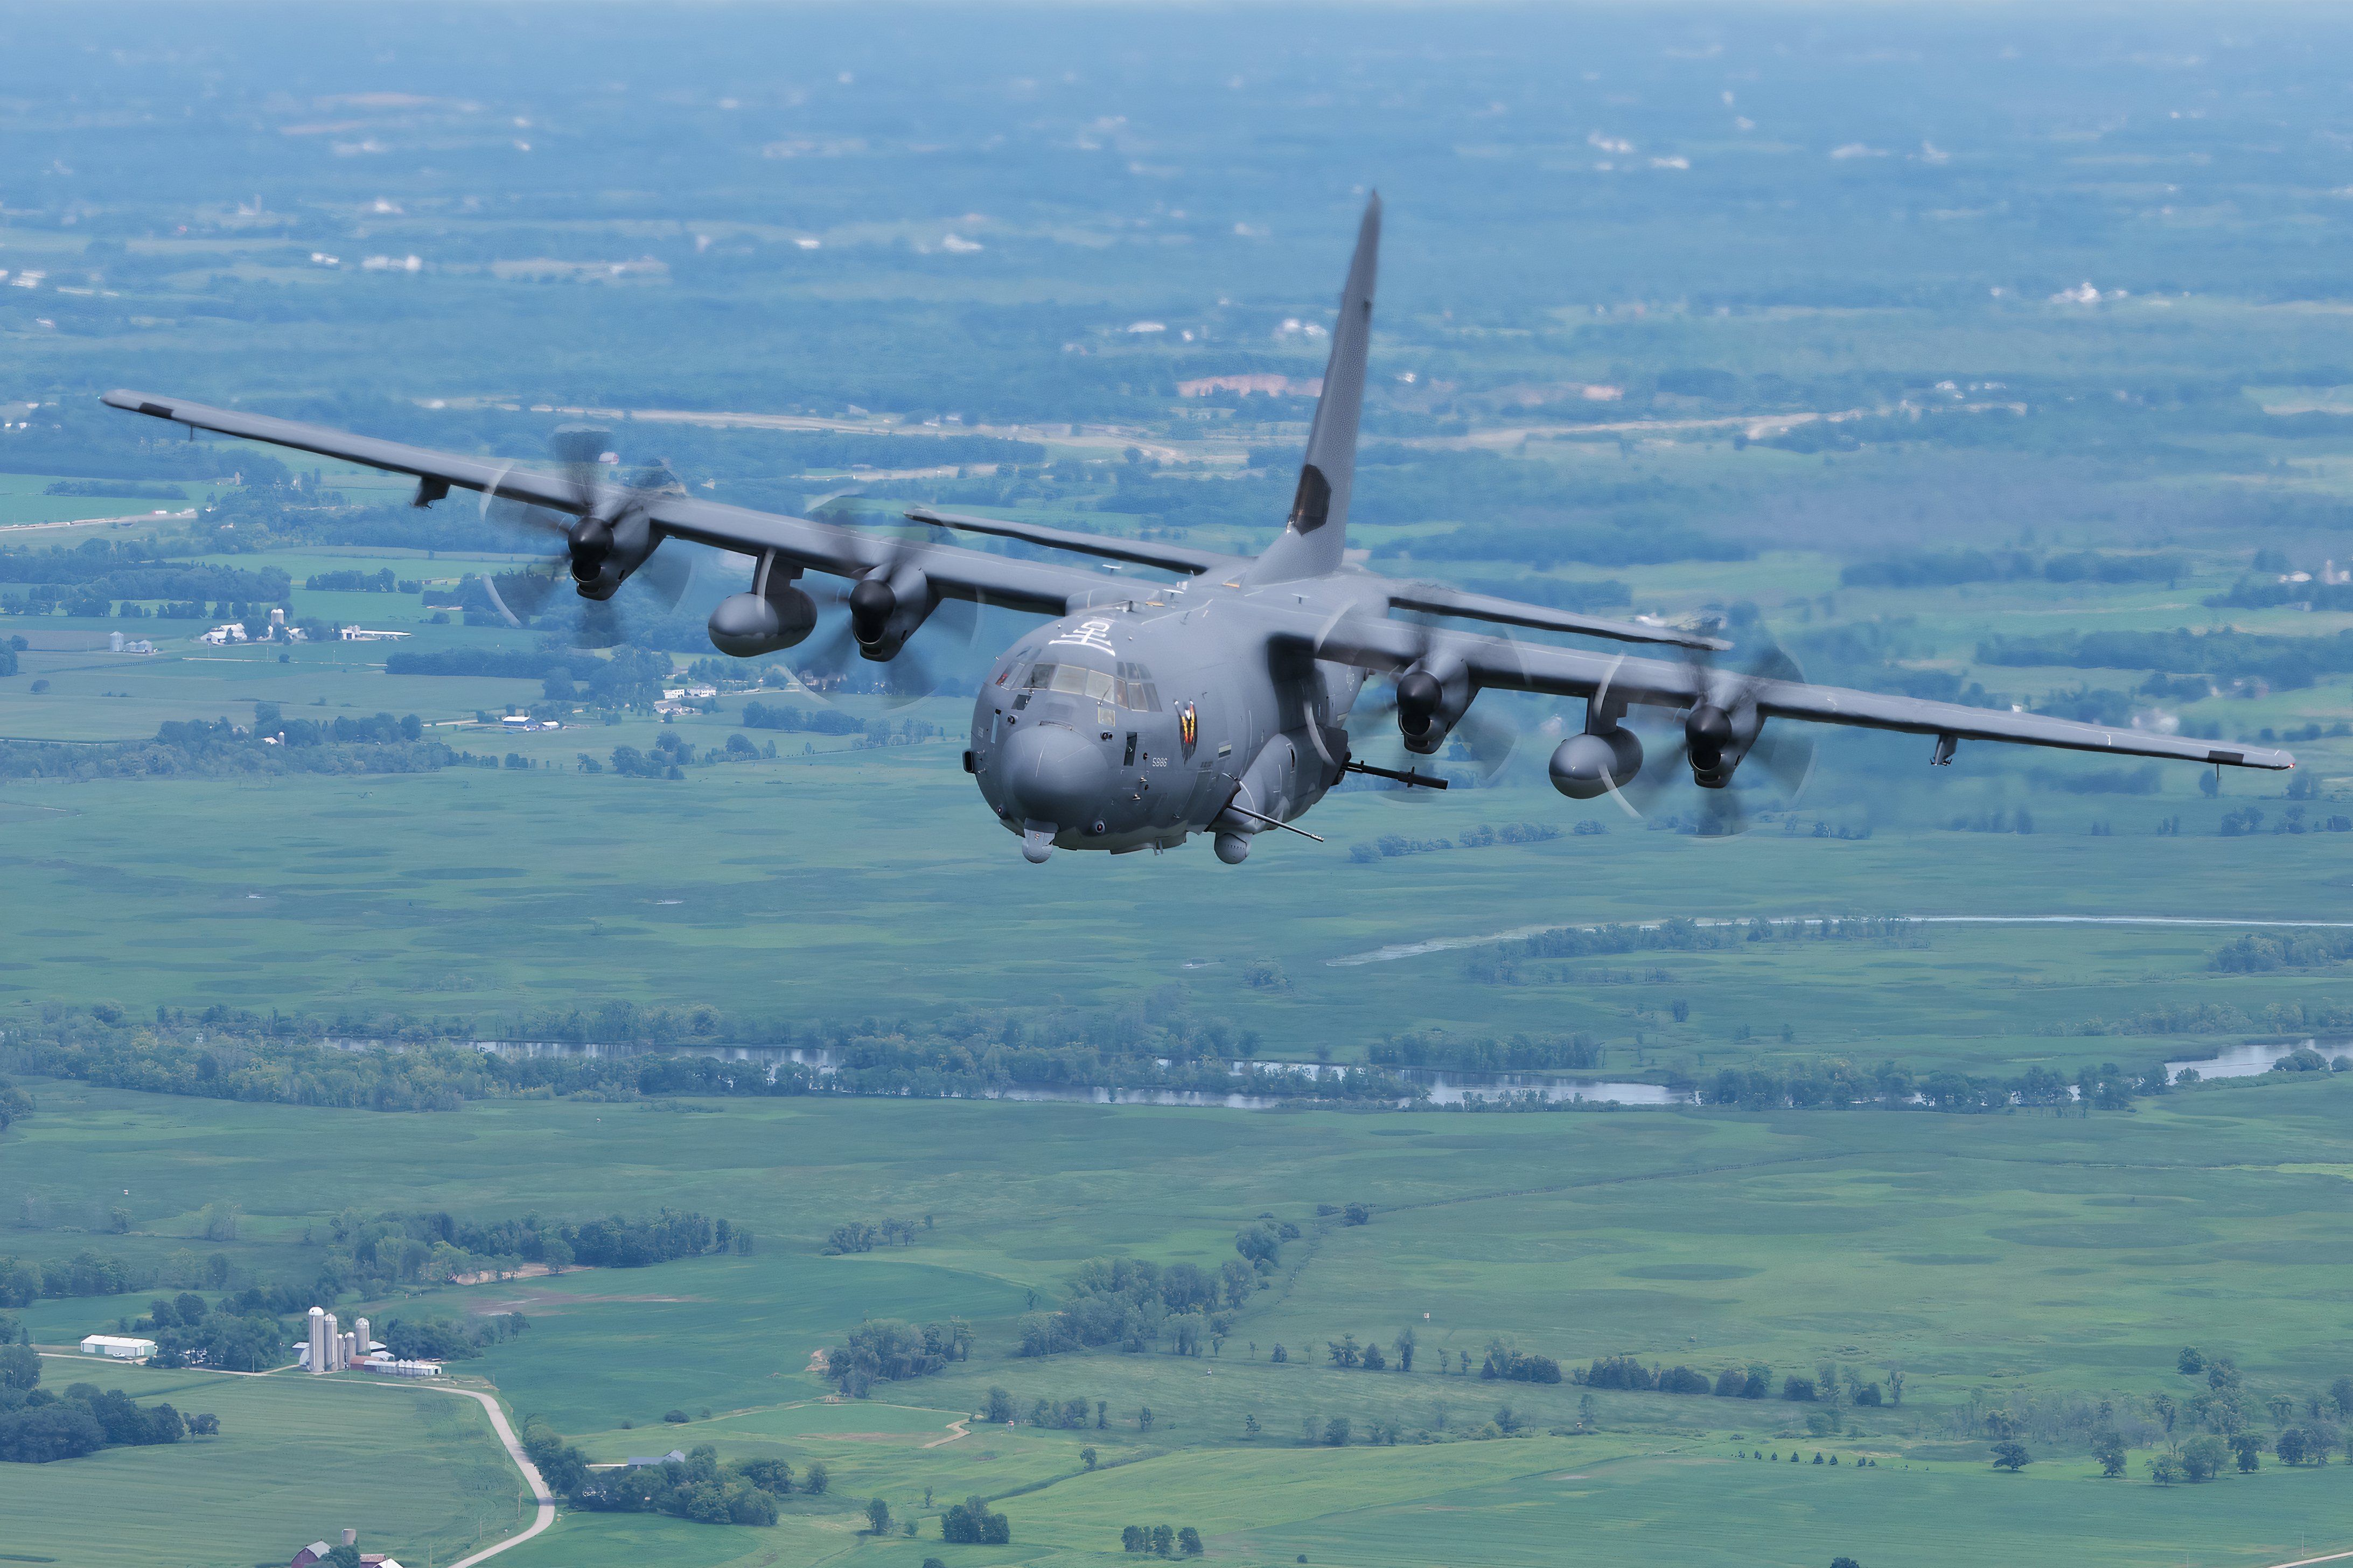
(531, 1475)
(546, 1515)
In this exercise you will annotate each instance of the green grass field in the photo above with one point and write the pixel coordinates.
(2001, 1260)
(417, 1472)
(477, 893)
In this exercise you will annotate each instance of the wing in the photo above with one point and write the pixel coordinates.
(1390, 647)
(1043, 587)
(1144, 552)
(1438, 600)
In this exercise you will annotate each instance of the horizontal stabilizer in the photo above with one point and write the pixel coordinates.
(1170, 557)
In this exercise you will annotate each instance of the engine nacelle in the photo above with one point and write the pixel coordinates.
(889, 606)
(605, 550)
(1432, 695)
(747, 624)
(1587, 766)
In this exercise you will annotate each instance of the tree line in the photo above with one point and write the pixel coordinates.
(371, 1253)
(1159, 1540)
(1139, 1305)
(432, 1066)
(37, 1428)
(14, 1105)
(890, 1349)
(2286, 662)
(742, 1492)
(1945, 568)
(221, 749)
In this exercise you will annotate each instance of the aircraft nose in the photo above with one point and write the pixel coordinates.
(1053, 775)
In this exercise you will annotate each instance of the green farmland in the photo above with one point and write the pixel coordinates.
(296, 1460)
(672, 1067)
(2018, 1262)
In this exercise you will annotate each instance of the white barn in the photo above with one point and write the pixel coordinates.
(117, 1347)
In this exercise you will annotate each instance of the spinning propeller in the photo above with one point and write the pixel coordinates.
(608, 542)
(1721, 733)
(866, 615)
(1414, 701)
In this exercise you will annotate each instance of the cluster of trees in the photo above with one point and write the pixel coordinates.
(37, 1426)
(742, 1491)
(972, 1522)
(810, 720)
(1512, 1365)
(2262, 593)
(369, 1253)
(2284, 661)
(891, 1350)
(1840, 1084)
(15, 1104)
(1159, 1540)
(864, 1236)
(1944, 568)
(2259, 953)
(1000, 1409)
(1521, 1053)
(98, 571)
(240, 1335)
(23, 1282)
(1829, 1383)
(450, 1339)
(356, 581)
(1157, 1042)
(1394, 845)
(1136, 1304)
(220, 749)
(623, 677)
(121, 490)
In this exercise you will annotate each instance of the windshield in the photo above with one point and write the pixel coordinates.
(1131, 688)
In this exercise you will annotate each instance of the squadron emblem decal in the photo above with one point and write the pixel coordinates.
(1095, 635)
(1189, 726)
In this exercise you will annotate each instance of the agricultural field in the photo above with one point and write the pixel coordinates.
(2015, 1262)
(471, 893)
(2002, 359)
(294, 1461)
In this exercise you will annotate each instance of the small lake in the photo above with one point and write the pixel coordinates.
(2253, 1057)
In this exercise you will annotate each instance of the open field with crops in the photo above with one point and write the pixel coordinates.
(296, 1459)
(1997, 1261)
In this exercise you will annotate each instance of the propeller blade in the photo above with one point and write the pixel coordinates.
(818, 663)
(526, 591)
(1489, 740)
(667, 575)
(1787, 760)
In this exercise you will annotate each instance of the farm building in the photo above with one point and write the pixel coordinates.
(317, 1551)
(117, 1347)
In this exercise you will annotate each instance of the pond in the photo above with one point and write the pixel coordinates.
(2251, 1058)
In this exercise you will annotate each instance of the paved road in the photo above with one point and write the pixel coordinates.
(96, 522)
(546, 1515)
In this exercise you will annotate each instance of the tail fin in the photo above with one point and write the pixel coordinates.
(1317, 533)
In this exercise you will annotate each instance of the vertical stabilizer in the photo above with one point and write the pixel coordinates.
(1317, 531)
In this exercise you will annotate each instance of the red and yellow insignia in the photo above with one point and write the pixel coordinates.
(1188, 727)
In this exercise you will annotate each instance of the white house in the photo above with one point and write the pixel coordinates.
(117, 1347)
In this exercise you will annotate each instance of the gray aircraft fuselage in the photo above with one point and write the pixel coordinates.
(1136, 724)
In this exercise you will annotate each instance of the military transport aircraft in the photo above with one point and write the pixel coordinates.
(1215, 702)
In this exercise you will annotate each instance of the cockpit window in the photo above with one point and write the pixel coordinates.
(1131, 688)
